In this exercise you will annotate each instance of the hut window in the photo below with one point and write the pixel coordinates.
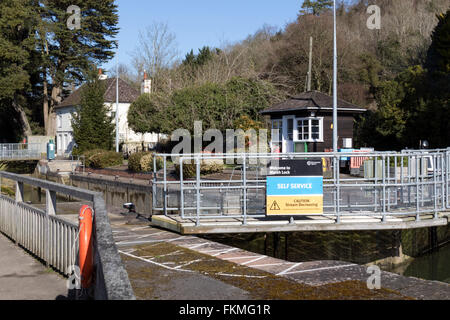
(277, 130)
(309, 129)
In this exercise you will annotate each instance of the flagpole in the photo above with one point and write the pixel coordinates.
(335, 124)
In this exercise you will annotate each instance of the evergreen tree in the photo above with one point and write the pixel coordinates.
(316, 7)
(16, 43)
(69, 53)
(92, 127)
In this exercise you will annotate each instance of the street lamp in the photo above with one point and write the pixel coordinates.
(335, 124)
(117, 105)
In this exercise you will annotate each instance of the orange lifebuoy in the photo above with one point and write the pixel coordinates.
(86, 252)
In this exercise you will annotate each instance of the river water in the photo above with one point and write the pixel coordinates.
(432, 266)
(357, 247)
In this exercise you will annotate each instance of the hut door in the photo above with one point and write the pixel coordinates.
(288, 135)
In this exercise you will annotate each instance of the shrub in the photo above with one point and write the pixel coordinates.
(88, 154)
(147, 162)
(105, 160)
(207, 166)
(134, 161)
(143, 162)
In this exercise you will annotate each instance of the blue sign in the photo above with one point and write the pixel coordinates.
(290, 186)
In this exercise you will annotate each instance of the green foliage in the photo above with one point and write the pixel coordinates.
(134, 161)
(438, 60)
(207, 166)
(316, 7)
(146, 114)
(414, 105)
(88, 154)
(8, 191)
(217, 105)
(143, 162)
(92, 127)
(204, 55)
(105, 159)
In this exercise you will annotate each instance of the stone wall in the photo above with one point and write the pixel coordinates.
(117, 193)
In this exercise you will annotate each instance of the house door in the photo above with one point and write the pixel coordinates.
(288, 133)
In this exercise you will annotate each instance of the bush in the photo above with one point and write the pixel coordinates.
(88, 154)
(207, 166)
(105, 160)
(143, 162)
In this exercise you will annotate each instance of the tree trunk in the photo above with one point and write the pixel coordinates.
(56, 99)
(26, 129)
(45, 106)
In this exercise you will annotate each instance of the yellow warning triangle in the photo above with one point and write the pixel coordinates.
(275, 206)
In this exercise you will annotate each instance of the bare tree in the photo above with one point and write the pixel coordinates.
(156, 49)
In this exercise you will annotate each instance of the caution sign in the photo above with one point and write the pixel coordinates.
(295, 187)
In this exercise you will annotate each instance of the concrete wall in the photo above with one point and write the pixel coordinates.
(117, 193)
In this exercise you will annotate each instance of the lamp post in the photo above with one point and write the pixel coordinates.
(117, 106)
(335, 124)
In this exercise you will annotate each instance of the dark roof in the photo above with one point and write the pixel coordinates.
(312, 100)
(127, 94)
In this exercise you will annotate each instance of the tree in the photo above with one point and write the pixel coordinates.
(68, 54)
(146, 114)
(92, 127)
(156, 49)
(16, 43)
(216, 105)
(316, 7)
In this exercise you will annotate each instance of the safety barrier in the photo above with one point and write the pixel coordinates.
(55, 240)
(407, 183)
(20, 151)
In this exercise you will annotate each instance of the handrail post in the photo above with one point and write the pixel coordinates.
(165, 186)
(198, 172)
(19, 199)
(417, 189)
(50, 210)
(383, 168)
(181, 188)
(244, 172)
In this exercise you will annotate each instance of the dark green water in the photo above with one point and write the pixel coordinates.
(433, 266)
(357, 247)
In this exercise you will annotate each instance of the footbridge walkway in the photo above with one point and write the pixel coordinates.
(55, 240)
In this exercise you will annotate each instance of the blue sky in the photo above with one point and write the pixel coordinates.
(197, 23)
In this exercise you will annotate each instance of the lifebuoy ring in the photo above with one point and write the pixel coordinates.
(86, 252)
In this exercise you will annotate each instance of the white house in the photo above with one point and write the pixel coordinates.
(127, 95)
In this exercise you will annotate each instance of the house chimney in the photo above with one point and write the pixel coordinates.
(146, 85)
(101, 76)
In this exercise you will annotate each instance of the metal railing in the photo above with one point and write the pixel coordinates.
(408, 183)
(20, 151)
(55, 240)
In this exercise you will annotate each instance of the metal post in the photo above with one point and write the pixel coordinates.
(50, 202)
(310, 63)
(383, 174)
(197, 223)
(117, 108)
(165, 186)
(154, 184)
(244, 172)
(181, 189)
(435, 193)
(338, 189)
(335, 124)
(417, 189)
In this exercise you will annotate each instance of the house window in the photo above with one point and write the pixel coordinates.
(309, 129)
(59, 120)
(277, 130)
